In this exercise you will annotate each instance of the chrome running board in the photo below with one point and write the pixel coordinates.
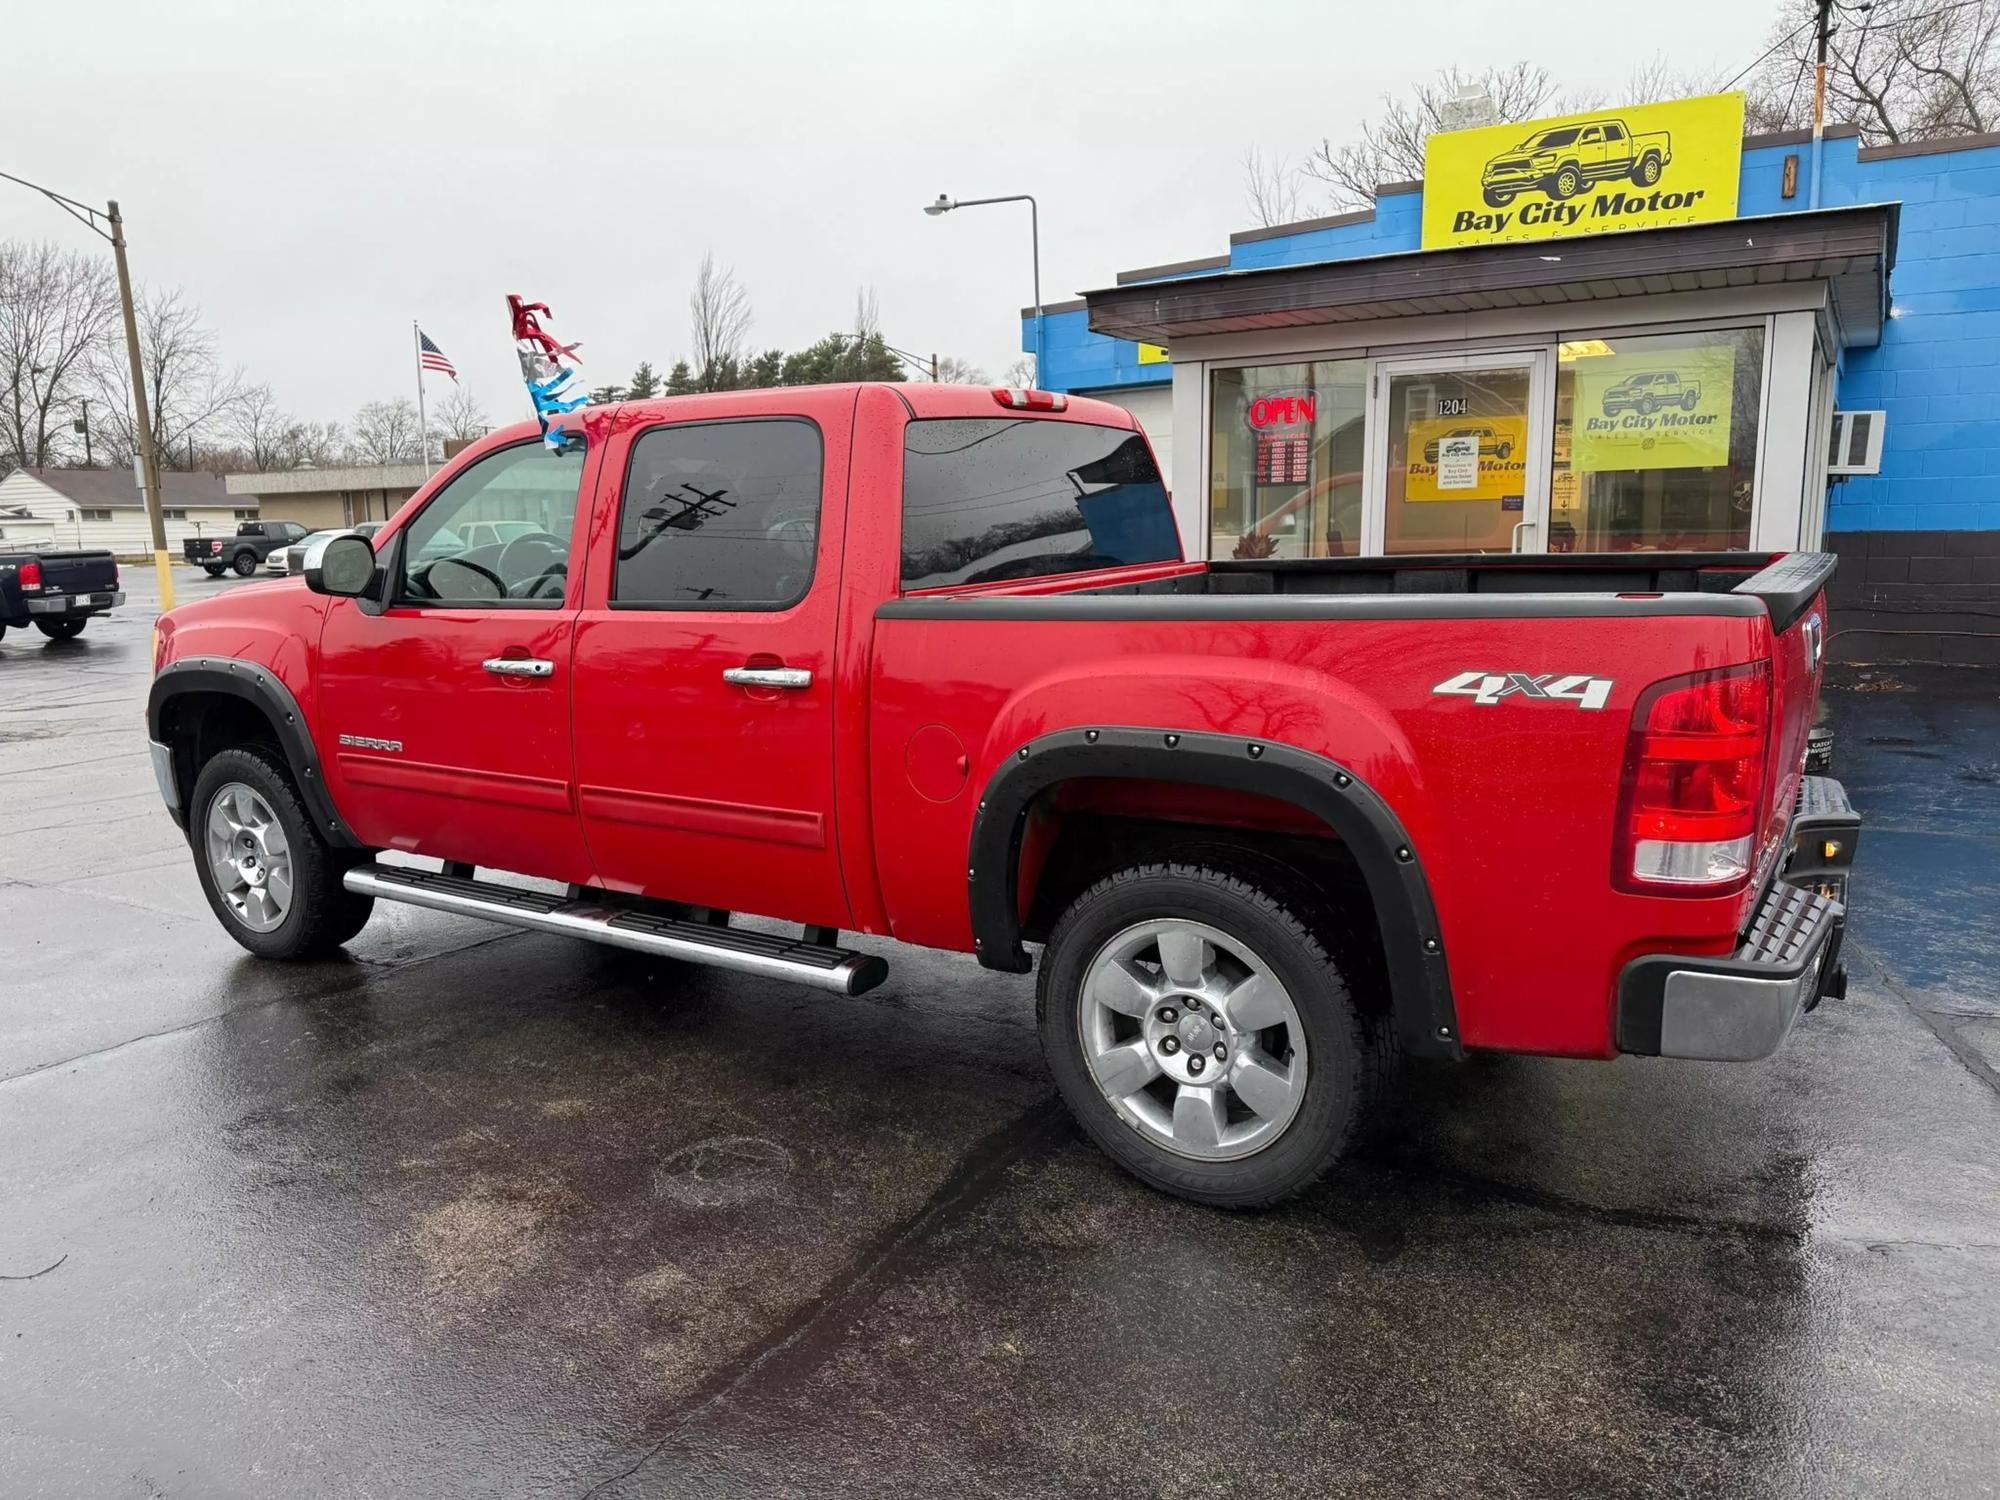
(766, 954)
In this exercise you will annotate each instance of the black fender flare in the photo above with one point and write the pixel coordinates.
(1413, 946)
(264, 691)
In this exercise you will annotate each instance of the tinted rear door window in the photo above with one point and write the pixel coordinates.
(986, 499)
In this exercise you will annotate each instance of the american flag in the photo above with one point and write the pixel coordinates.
(430, 357)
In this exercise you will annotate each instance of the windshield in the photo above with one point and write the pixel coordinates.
(1548, 140)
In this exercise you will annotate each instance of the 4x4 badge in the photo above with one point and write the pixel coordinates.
(1491, 687)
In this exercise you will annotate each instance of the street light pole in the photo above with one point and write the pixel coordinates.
(945, 205)
(149, 469)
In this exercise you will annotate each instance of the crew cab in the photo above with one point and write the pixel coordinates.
(1562, 160)
(253, 543)
(1646, 391)
(926, 663)
(57, 592)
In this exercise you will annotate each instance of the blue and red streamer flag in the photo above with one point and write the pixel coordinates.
(544, 366)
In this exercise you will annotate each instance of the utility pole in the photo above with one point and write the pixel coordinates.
(113, 230)
(934, 367)
(149, 464)
(84, 428)
(1823, 28)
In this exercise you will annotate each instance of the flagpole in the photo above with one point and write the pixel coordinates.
(423, 422)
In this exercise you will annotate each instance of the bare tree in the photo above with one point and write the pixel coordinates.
(719, 324)
(317, 445)
(191, 395)
(952, 370)
(460, 417)
(386, 432)
(264, 432)
(1391, 148)
(867, 313)
(1273, 189)
(1904, 70)
(1661, 78)
(1022, 372)
(57, 307)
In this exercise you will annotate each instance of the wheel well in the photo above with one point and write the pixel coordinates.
(1078, 833)
(201, 725)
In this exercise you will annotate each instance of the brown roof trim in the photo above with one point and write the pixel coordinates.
(1389, 189)
(1836, 244)
(1772, 138)
(1176, 268)
(1076, 304)
(1929, 148)
(1301, 226)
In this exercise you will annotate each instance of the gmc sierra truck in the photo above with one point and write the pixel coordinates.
(926, 663)
(56, 592)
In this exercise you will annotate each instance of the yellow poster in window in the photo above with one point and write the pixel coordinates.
(1667, 409)
(1466, 458)
(1638, 167)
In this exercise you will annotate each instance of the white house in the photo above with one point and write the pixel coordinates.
(103, 508)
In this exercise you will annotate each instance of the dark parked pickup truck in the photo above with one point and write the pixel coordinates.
(245, 552)
(926, 663)
(56, 592)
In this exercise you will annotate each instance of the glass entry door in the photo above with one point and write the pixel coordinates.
(1461, 454)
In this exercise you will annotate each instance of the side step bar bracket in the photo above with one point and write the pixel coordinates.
(819, 965)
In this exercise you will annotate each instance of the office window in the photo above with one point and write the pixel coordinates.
(1656, 441)
(173, 514)
(720, 516)
(1286, 448)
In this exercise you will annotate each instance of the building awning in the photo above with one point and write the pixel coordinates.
(1851, 249)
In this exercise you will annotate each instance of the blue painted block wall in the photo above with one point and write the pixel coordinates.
(1936, 372)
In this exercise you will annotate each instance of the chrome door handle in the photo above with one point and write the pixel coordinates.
(519, 666)
(777, 677)
(1514, 541)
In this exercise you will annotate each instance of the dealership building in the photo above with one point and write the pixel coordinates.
(1818, 367)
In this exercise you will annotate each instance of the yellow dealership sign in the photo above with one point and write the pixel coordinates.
(1664, 410)
(1466, 458)
(1152, 354)
(1634, 168)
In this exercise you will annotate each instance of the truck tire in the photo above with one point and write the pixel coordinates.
(215, 572)
(273, 882)
(60, 630)
(1497, 197)
(1567, 182)
(1169, 973)
(1690, 400)
(1647, 172)
(245, 563)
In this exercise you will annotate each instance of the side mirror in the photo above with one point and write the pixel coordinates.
(343, 566)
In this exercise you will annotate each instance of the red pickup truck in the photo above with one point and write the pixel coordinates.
(926, 662)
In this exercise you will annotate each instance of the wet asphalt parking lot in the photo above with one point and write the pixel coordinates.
(470, 1212)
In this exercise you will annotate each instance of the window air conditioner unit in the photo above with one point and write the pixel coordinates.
(1856, 444)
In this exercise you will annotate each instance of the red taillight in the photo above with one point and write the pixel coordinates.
(1694, 782)
(30, 576)
(1016, 399)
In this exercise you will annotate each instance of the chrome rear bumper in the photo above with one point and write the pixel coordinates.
(1741, 1007)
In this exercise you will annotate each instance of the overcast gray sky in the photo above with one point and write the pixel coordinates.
(317, 175)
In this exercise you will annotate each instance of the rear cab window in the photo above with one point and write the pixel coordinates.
(990, 499)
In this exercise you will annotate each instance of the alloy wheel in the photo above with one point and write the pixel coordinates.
(249, 857)
(1192, 1039)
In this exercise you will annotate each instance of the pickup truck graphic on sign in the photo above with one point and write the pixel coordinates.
(1562, 161)
(1490, 441)
(1648, 391)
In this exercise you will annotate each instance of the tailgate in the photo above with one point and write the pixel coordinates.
(1792, 589)
(78, 572)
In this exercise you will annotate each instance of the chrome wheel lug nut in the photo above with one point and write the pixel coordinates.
(1221, 1052)
(1196, 1064)
(1170, 1045)
(1168, 1015)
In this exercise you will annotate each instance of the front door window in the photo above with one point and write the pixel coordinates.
(1457, 474)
